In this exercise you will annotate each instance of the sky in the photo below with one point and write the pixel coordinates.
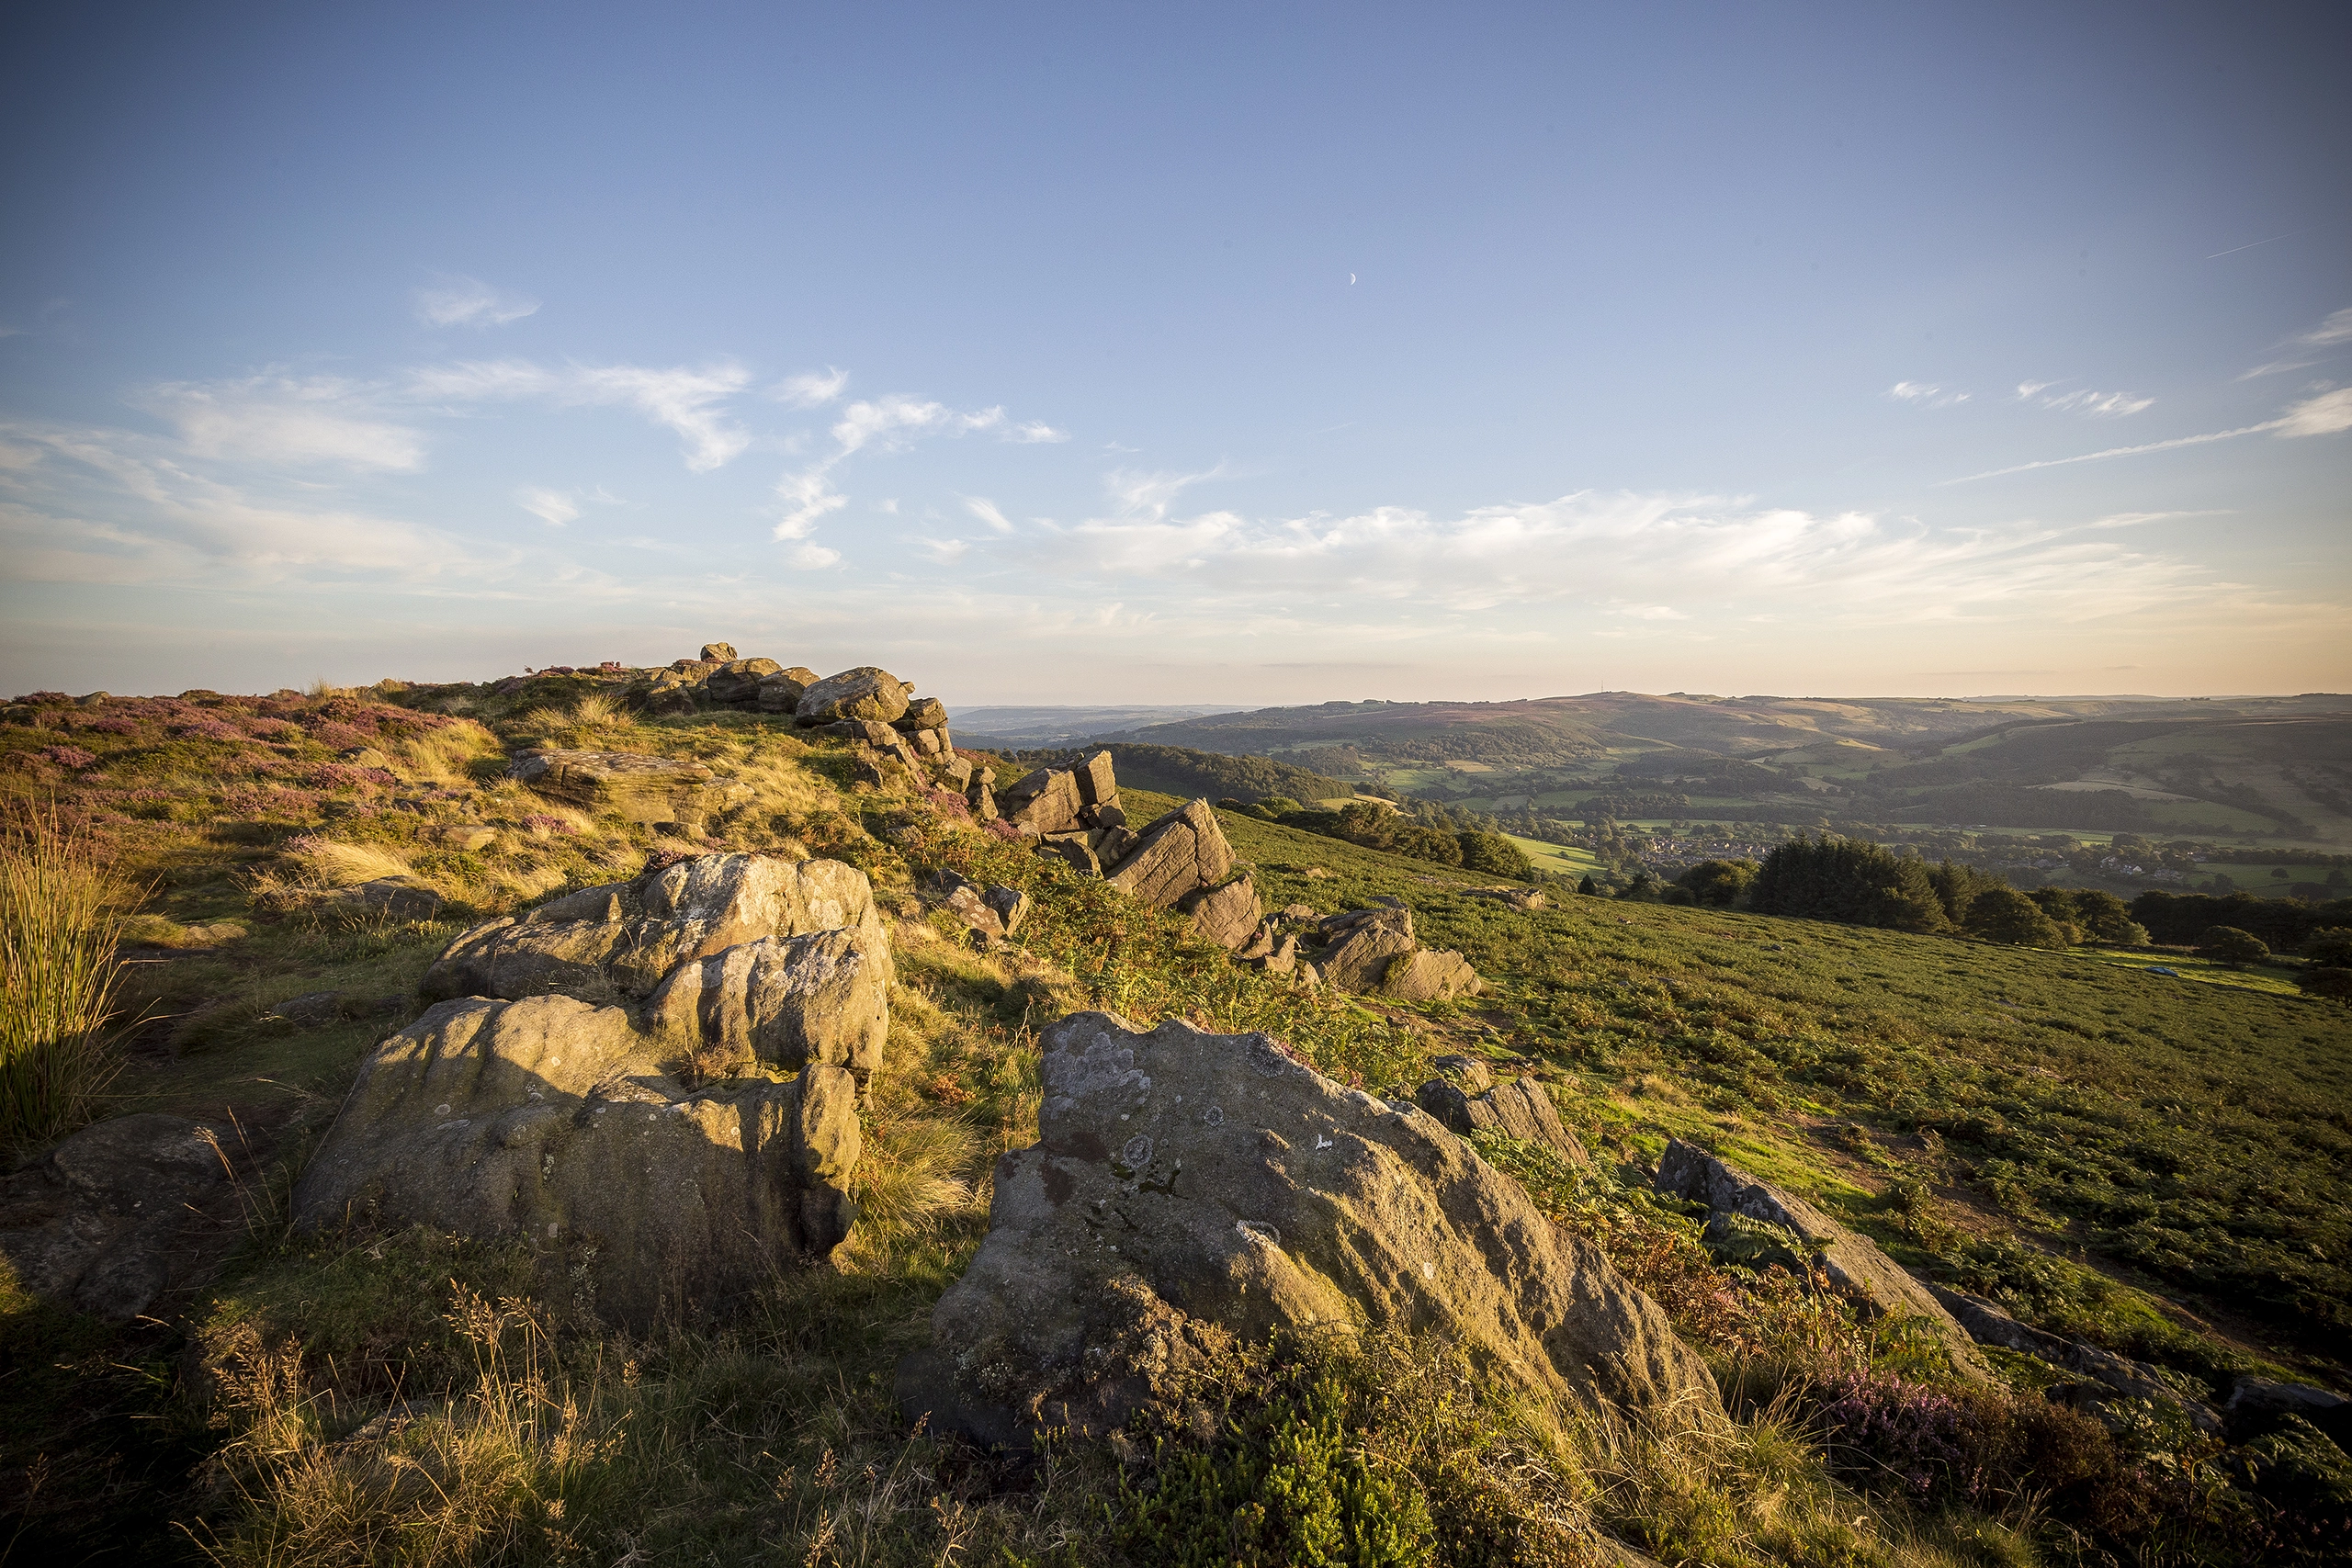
(1236, 354)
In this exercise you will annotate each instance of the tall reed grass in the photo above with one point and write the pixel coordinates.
(62, 907)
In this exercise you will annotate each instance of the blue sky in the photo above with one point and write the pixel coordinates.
(1209, 354)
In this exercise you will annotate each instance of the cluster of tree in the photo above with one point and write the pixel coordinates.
(1179, 770)
(2281, 924)
(1861, 883)
(1426, 833)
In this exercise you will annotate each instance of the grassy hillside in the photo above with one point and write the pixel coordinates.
(2195, 1138)
(2153, 1164)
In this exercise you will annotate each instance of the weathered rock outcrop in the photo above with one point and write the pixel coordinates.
(781, 691)
(638, 787)
(1179, 853)
(1188, 1185)
(513, 1107)
(866, 692)
(122, 1212)
(632, 934)
(552, 1119)
(736, 682)
(1854, 1265)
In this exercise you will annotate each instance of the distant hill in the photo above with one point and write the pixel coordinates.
(2228, 768)
(1000, 727)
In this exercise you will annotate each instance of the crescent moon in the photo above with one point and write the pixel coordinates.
(1352, 278)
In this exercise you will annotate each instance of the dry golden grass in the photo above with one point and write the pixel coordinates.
(61, 911)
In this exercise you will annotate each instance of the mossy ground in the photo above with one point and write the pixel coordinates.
(2153, 1165)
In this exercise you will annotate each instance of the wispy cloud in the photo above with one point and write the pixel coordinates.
(2081, 401)
(810, 558)
(1654, 559)
(114, 506)
(689, 401)
(812, 389)
(553, 507)
(2330, 333)
(887, 423)
(470, 302)
(2327, 415)
(1924, 394)
(283, 420)
(985, 511)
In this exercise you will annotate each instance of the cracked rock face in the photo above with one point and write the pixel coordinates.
(552, 1120)
(540, 1099)
(1188, 1187)
(631, 935)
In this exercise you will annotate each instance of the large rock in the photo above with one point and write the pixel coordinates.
(638, 787)
(630, 935)
(1188, 1187)
(1430, 975)
(1098, 785)
(1854, 1264)
(553, 1120)
(1225, 914)
(736, 682)
(1360, 955)
(866, 692)
(781, 691)
(386, 898)
(122, 1212)
(1042, 801)
(1184, 851)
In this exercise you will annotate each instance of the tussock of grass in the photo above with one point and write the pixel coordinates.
(62, 906)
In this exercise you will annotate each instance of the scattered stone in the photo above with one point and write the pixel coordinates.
(1521, 1109)
(629, 936)
(1097, 787)
(1300, 1205)
(969, 903)
(465, 837)
(121, 1213)
(866, 692)
(634, 787)
(552, 1120)
(1988, 1325)
(1475, 1076)
(717, 652)
(1225, 914)
(1299, 912)
(1522, 898)
(1854, 1265)
(310, 1010)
